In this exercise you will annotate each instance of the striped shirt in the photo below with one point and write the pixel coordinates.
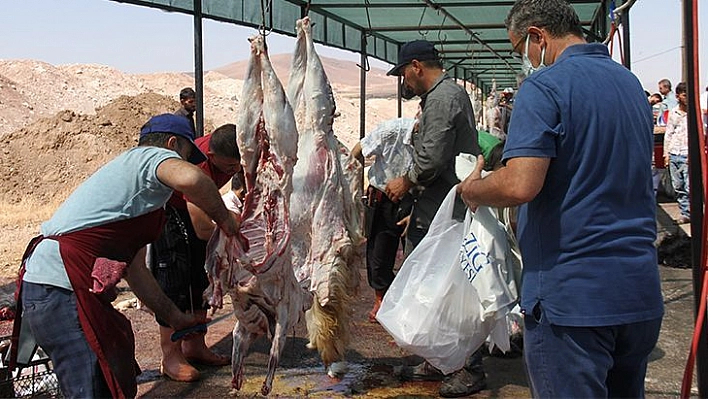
(676, 136)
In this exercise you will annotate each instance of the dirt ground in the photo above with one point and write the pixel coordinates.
(375, 361)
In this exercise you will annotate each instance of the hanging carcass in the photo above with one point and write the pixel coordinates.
(256, 270)
(326, 212)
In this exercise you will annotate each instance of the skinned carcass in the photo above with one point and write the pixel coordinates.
(256, 268)
(326, 212)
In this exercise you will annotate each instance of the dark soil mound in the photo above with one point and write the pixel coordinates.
(46, 160)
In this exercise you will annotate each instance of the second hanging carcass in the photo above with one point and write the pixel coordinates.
(326, 213)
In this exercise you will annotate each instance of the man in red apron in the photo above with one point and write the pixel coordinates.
(177, 258)
(98, 235)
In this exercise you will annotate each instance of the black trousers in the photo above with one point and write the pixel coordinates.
(177, 259)
(383, 240)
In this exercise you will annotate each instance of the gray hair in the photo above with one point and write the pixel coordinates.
(667, 83)
(556, 16)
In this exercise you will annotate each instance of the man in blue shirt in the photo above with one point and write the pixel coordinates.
(580, 135)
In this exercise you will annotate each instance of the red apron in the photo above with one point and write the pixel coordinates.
(108, 332)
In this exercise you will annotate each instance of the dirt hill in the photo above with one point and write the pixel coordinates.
(58, 124)
(49, 158)
(344, 75)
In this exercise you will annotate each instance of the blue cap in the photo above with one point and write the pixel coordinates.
(177, 125)
(421, 50)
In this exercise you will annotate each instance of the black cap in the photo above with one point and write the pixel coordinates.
(421, 50)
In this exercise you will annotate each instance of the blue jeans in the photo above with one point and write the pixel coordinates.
(678, 167)
(54, 322)
(587, 362)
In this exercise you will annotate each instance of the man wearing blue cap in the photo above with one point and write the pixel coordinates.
(447, 127)
(98, 235)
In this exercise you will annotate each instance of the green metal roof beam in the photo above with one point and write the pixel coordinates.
(507, 3)
(445, 27)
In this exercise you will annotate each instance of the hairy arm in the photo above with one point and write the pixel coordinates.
(149, 292)
(515, 184)
(200, 189)
(203, 225)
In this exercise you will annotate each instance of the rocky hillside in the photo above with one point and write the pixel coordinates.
(58, 124)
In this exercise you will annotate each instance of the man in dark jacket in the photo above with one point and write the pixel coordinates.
(447, 127)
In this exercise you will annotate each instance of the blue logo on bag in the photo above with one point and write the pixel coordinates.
(473, 259)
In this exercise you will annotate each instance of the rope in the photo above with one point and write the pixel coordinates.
(366, 66)
(420, 23)
(266, 6)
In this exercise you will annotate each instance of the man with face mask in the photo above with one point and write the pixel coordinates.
(446, 128)
(591, 292)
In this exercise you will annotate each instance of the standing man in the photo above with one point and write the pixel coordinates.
(103, 227)
(447, 127)
(591, 293)
(676, 152)
(390, 143)
(177, 258)
(188, 99)
(668, 102)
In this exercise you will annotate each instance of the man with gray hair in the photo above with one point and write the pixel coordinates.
(591, 294)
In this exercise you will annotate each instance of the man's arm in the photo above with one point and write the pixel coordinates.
(356, 151)
(515, 184)
(149, 292)
(200, 189)
(432, 154)
(203, 225)
(437, 147)
(668, 133)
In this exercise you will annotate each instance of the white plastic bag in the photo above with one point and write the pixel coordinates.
(464, 165)
(431, 309)
(492, 268)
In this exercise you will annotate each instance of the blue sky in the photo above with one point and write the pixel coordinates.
(141, 40)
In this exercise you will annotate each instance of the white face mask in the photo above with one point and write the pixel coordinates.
(526, 67)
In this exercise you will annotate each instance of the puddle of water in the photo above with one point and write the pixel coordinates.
(380, 379)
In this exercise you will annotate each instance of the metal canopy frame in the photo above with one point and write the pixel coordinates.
(470, 35)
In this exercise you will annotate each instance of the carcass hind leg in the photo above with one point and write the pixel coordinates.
(276, 347)
(242, 341)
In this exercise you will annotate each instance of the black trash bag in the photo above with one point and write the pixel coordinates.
(675, 250)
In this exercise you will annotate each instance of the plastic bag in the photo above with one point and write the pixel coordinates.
(464, 165)
(492, 268)
(431, 309)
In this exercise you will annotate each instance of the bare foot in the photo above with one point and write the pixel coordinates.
(200, 354)
(178, 371)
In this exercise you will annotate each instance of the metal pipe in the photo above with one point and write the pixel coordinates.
(626, 40)
(362, 88)
(469, 31)
(198, 68)
(690, 62)
(362, 101)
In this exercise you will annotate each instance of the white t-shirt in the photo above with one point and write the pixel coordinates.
(390, 141)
